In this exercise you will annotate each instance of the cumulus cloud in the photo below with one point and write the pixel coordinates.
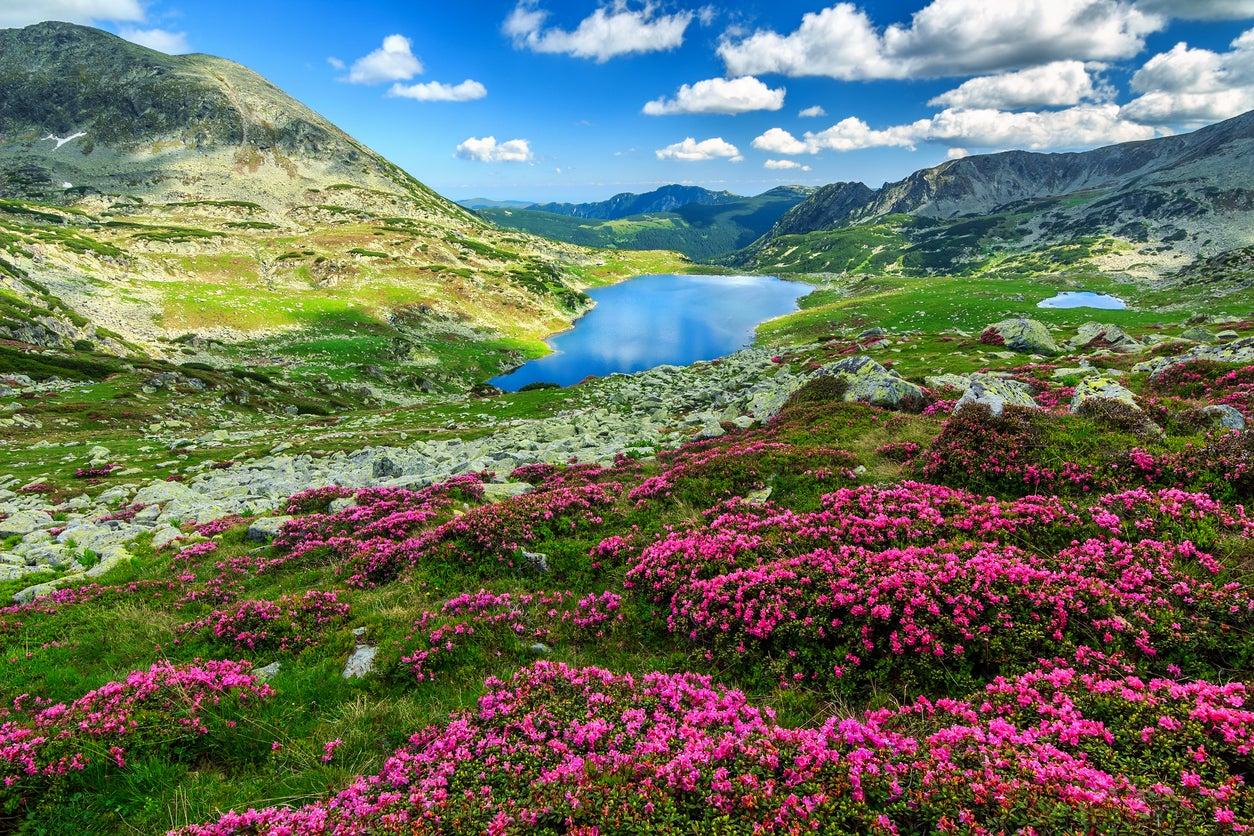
(487, 150)
(1188, 86)
(784, 165)
(171, 43)
(394, 61)
(1082, 126)
(719, 95)
(779, 141)
(692, 151)
(1057, 84)
(434, 91)
(609, 32)
(945, 38)
(812, 112)
(15, 13)
(1200, 9)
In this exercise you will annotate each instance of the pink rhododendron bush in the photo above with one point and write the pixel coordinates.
(1078, 746)
(180, 710)
(847, 621)
(936, 588)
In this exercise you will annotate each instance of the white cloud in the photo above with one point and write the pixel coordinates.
(336, 63)
(853, 134)
(171, 43)
(945, 38)
(1200, 9)
(1082, 126)
(394, 61)
(15, 13)
(1058, 84)
(607, 33)
(777, 165)
(812, 112)
(1188, 86)
(692, 151)
(434, 91)
(779, 141)
(487, 150)
(956, 153)
(719, 95)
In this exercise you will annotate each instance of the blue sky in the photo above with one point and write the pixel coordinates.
(581, 99)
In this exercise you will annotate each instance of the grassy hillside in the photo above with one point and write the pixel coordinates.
(847, 567)
(701, 232)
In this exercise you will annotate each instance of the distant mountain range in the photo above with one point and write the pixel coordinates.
(700, 223)
(1150, 206)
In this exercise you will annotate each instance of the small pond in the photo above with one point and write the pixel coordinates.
(654, 320)
(1083, 299)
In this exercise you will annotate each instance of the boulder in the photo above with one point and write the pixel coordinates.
(1224, 416)
(497, 491)
(1198, 334)
(1102, 389)
(996, 393)
(1026, 336)
(1095, 335)
(23, 523)
(869, 382)
(265, 529)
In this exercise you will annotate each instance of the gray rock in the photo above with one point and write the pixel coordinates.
(1100, 388)
(266, 672)
(23, 523)
(1198, 334)
(341, 504)
(996, 393)
(869, 382)
(360, 661)
(1108, 337)
(1026, 336)
(497, 491)
(539, 560)
(265, 529)
(1224, 416)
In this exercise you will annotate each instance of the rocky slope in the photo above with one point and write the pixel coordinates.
(1184, 196)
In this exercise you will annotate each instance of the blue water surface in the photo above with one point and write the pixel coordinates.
(654, 320)
(1083, 299)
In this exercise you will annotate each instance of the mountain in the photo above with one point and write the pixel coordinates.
(710, 227)
(184, 207)
(626, 204)
(489, 203)
(1168, 200)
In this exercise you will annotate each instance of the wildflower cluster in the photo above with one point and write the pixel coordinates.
(483, 623)
(583, 750)
(293, 622)
(919, 584)
(177, 708)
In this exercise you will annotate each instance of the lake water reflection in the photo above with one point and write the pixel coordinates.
(652, 320)
(1083, 299)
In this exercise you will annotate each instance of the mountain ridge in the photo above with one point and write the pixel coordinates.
(1193, 191)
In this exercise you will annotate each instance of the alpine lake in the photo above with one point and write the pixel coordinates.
(656, 320)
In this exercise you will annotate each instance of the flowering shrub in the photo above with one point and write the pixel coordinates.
(178, 708)
(1210, 382)
(924, 586)
(293, 622)
(1069, 747)
(483, 622)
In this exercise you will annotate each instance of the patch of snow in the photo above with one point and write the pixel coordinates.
(67, 185)
(61, 141)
